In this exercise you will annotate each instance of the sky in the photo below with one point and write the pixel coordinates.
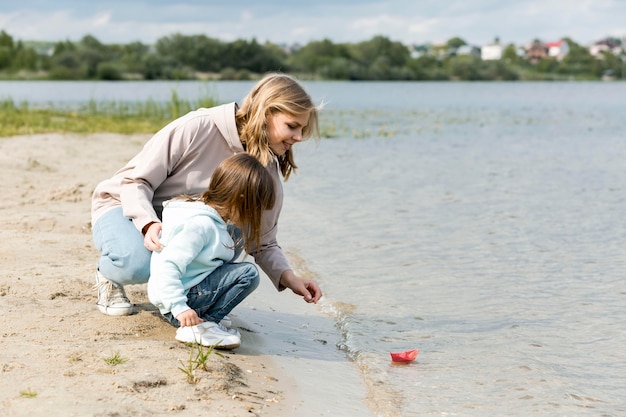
(298, 22)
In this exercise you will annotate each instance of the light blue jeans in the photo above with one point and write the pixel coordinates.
(124, 259)
(221, 291)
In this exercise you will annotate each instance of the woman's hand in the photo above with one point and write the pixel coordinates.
(308, 289)
(151, 239)
(189, 318)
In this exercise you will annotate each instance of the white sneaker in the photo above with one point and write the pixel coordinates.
(209, 333)
(210, 324)
(112, 299)
(226, 322)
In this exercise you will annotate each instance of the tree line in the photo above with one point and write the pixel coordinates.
(182, 57)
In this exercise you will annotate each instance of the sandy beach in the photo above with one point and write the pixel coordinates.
(60, 357)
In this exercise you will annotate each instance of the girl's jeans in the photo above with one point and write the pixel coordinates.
(124, 259)
(221, 291)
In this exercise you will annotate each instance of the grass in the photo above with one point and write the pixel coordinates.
(28, 393)
(95, 117)
(198, 359)
(116, 359)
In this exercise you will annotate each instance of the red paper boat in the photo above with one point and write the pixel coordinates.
(407, 356)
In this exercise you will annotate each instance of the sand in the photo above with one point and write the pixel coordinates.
(59, 356)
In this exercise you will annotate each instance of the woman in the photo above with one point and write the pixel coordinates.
(180, 159)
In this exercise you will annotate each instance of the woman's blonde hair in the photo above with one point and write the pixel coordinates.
(240, 189)
(274, 93)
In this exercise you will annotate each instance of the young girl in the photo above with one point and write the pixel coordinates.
(194, 279)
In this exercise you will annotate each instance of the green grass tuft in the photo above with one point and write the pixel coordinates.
(116, 359)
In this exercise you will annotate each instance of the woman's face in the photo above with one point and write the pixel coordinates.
(284, 130)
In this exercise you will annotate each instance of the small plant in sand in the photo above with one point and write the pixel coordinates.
(189, 368)
(28, 393)
(116, 359)
(203, 355)
(197, 361)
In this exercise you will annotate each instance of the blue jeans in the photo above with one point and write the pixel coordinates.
(221, 291)
(124, 259)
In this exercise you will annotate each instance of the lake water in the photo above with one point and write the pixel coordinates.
(481, 223)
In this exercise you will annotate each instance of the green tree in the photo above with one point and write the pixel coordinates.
(108, 71)
(92, 53)
(66, 66)
(427, 67)
(6, 50)
(157, 67)
(380, 47)
(464, 67)
(198, 52)
(608, 64)
(578, 61)
(318, 56)
(340, 68)
(26, 58)
(547, 65)
(131, 57)
(455, 43)
(509, 54)
(498, 70)
(61, 47)
(252, 56)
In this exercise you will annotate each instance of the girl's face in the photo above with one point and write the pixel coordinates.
(284, 130)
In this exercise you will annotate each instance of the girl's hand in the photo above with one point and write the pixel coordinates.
(188, 318)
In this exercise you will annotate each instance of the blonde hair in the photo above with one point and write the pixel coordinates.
(274, 93)
(239, 190)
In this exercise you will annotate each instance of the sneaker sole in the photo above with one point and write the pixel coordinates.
(115, 311)
(221, 347)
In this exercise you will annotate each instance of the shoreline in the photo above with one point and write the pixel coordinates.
(56, 344)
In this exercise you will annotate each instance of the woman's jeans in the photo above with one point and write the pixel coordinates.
(221, 291)
(124, 259)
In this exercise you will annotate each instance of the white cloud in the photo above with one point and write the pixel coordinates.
(377, 23)
(101, 19)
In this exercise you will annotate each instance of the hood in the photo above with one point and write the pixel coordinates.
(224, 118)
(176, 212)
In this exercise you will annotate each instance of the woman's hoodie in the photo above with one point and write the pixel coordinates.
(196, 241)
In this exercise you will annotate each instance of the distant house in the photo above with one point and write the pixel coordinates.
(536, 51)
(492, 51)
(558, 49)
(611, 45)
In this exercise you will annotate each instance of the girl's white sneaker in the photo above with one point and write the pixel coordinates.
(209, 333)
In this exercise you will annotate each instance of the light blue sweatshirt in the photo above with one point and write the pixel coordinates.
(196, 242)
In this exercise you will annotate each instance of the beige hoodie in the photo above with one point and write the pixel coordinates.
(180, 159)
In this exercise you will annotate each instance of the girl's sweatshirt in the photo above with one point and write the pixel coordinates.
(196, 241)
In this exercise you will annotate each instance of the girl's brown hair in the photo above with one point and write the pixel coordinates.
(274, 93)
(240, 189)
